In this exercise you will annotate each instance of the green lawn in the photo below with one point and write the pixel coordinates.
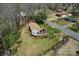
(74, 28)
(50, 53)
(36, 45)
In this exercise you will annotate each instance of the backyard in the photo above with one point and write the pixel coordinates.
(37, 45)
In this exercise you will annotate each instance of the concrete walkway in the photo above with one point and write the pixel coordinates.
(69, 32)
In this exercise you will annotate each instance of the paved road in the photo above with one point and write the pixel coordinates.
(69, 32)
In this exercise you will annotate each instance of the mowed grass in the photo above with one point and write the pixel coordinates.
(31, 46)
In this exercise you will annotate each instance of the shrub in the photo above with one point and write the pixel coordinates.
(10, 38)
(39, 22)
(52, 31)
(74, 28)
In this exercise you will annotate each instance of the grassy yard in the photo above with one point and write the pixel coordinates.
(52, 16)
(73, 28)
(50, 53)
(62, 22)
(35, 45)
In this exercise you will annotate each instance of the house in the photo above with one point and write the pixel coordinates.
(63, 14)
(36, 30)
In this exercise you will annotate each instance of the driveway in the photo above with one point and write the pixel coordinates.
(69, 32)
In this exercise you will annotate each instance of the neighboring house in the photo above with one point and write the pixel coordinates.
(63, 14)
(66, 16)
(36, 30)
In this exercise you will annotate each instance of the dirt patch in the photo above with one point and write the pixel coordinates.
(68, 49)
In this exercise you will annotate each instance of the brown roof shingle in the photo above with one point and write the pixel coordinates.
(34, 25)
